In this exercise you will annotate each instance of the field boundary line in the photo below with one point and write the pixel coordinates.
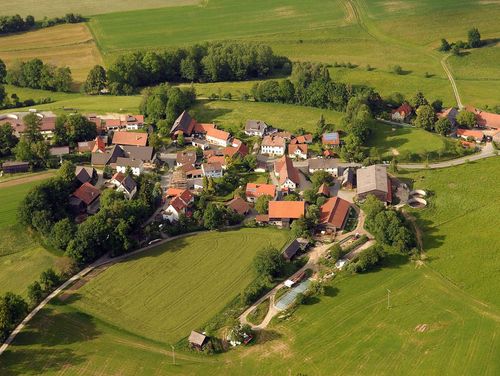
(447, 70)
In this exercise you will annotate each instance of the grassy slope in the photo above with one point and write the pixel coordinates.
(461, 225)
(51, 8)
(62, 45)
(21, 258)
(176, 288)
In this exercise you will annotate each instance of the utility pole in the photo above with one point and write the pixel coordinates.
(388, 298)
(173, 354)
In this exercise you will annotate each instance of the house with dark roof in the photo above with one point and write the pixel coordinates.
(124, 183)
(256, 128)
(324, 190)
(186, 158)
(197, 340)
(183, 124)
(58, 151)
(136, 165)
(293, 248)
(11, 167)
(323, 164)
(334, 213)
(85, 199)
(450, 114)
(108, 157)
(373, 180)
(85, 174)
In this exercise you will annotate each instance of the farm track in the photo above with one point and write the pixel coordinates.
(26, 179)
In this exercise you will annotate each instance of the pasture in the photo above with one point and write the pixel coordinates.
(51, 8)
(22, 259)
(69, 45)
(175, 288)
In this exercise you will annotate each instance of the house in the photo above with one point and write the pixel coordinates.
(239, 205)
(94, 146)
(85, 198)
(328, 153)
(485, 119)
(133, 122)
(136, 165)
(197, 340)
(109, 157)
(373, 180)
(143, 153)
(331, 139)
(450, 114)
(200, 143)
(130, 138)
(291, 250)
(318, 164)
(212, 170)
(201, 129)
(195, 173)
(262, 219)
(218, 159)
(186, 158)
(237, 148)
(467, 134)
(256, 128)
(253, 191)
(334, 213)
(58, 151)
(16, 121)
(12, 167)
(324, 190)
(282, 213)
(261, 167)
(218, 137)
(184, 194)
(85, 174)
(178, 204)
(284, 134)
(288, 175)
(348, 178)
(273, 145)
(124, 183)
(183, 124)
(297, 151)
(402, 113)
(303, 139)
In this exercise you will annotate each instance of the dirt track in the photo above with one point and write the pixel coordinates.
(26, 179)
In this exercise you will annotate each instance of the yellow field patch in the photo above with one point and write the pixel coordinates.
(64, 45)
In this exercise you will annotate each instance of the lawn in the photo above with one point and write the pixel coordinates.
(166, 293)
(21, 258)
(69, 45)
(51, 8)
(233, 115)
(461, 225)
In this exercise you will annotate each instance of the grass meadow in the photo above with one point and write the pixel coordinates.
(51, 8)
(22, 259)
(175, 288)
(69, 45)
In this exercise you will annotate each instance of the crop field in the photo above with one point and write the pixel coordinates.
(63, 45)
(21, 258)
(460, 227)
(51, 8)
(176, 288)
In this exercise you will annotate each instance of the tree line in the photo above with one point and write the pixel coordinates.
(209, 62)
(35, 74)
(473, 41)
(15, 23)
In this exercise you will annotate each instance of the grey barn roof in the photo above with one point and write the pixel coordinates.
(291, 250)
(322, 164)
(197, 338)
(372, 178)
(255, 125)
(144, 153)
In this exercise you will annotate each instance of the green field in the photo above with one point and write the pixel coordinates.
(21, 258)
(167, 292)
(444, 315)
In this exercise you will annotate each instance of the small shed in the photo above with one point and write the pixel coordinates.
(11, 167)
(197, 340)
(291, 250)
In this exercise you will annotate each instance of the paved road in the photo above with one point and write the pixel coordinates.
(487, 151)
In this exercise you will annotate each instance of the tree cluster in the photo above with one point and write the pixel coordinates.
(473, 41)
(13, 309)
(367, 259)
(15, 24)
(32, 147)
(310, 85)
(304, 226)
(210, 62)
(71, 129)
(162, 104)
(388, 226)
(37, 75)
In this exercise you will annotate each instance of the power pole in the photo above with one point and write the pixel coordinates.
(388, 298)
(173, 354)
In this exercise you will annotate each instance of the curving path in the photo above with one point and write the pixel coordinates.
(452, 81)
(486, 152)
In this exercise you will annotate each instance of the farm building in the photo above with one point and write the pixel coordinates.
(183, 124)
(85, 198)
(373, 180)
(11, 167)
(85, 174)
(466, 134)
(273, 145)
(485, 119)
(130, 138)
(256, 128)
(330, 139)
(334, 213)
(319, 164)
(239, 205)
(288, 175)
(293, 248)
(197, 340)
(282, 213)
(254, 191)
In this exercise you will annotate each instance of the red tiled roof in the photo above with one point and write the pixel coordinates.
(324, 190)
(292, 148)
(130, 138)
(257, 190)
(261, 218)
(478, 135)
(178, 204)
(404, 110)
(334, 212)
(218, 133)
(202, 127)
(485, 119)
(286, 209)
(87, 193)
(284, 167)
(273, 141)
(99, 145)
(303, 139)
(239, 205)
(217, 159)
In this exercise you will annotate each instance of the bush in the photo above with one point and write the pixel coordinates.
(268, 262)
(252, 293)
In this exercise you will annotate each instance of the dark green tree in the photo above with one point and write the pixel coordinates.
(262, 204)
(96, 80)
(443, 126)
(268, 262)
(474, 38)
(466, 119)
(35, 293)
(7, 140)
(426, 117)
